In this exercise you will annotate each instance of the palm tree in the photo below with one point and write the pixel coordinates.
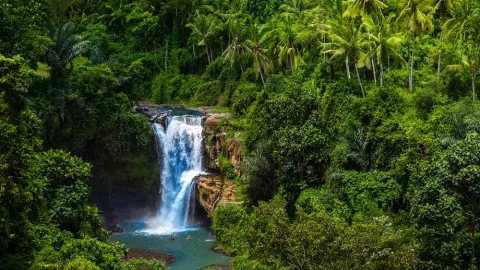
(282, 38)
(204, 30)
(237, 46)
(298, 8)
(364, 8)
(237, 10)
(67, 45)
(117, 16)
(356, 148)
(385, 42)
(256, 47)
(83, 8)
(443, 7)
(346, 39)
(463, 23)
(355, 8)
(416, 15)
(472, 62)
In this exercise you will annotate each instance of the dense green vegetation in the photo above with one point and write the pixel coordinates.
(359, 121)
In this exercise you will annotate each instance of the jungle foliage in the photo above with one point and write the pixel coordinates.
(359, 122)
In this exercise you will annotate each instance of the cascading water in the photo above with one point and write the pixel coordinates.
(180, 148)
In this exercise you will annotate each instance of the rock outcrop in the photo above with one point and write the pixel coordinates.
(213, 190)
(221, 141)
(217, 141)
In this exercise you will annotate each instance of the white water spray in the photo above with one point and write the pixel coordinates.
(180, 147)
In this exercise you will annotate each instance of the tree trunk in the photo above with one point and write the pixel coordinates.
(261, 76)
(373, 63)
(193, 47)
(381, 74)
(412, 64)
(461, 48)
(474, 78)
(208, 55)
(440, 55)
(348, 69)
(359, 81)
(388, 61)
(211, 53)
(324, 41)
(291, 62)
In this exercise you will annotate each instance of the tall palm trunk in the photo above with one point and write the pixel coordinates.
(440, 55)
(373, 63)
(388, 62)
(461, 48)
(410, 81)
(348, 68)
(263, 81)
(358, 78)
(474, 78)
(208, 55)
(211, 53)
(381, 74)
(292, 62)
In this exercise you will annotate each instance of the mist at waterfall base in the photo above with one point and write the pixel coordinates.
(180, 151)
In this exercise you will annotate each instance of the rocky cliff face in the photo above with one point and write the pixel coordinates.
(213, 190)
(218, 143)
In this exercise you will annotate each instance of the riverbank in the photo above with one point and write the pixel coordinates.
(164, 257)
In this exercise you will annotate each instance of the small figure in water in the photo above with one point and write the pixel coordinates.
(172, 237)
(188, 237)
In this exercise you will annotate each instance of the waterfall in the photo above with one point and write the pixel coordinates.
(180, 149)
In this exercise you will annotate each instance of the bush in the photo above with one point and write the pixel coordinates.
(165, 87)
(225, 219)
(208, 93)
(243, 97)
(142, 264)
(226, 167)
(104, 255)
(81, 264)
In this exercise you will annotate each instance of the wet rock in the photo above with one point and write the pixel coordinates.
(110, 223)
(161, 118)
(221, 251)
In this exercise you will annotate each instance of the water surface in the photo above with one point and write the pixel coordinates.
(193, 254)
